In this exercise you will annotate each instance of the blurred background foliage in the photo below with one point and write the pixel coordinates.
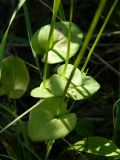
(104, 66)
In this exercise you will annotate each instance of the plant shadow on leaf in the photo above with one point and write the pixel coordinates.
(98, 146)
(54, 87)
(53, 122)
(58, 51)
(87, 89)
(63, 28)
(54, 51)
(77, 76)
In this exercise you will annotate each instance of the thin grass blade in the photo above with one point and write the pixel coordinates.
(3, 43)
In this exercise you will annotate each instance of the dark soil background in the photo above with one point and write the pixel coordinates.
(98, 109)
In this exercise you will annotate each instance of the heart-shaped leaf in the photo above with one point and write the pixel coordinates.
(77, 77)
(49, 120)
(88, 88)
(97, 146)
(59, 49)
(55, 86)
(14, 77)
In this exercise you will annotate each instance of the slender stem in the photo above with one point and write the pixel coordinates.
(85, 43)
(23, 131)
(7, 157)
(49, 147)
(46, 5)
(71, 106)
(29, 32)
(18, 118)
(61, 12)
(107, 64)
(50, 38)
(3, 43)
(90, 32)
(69, 36)
(99, 34)
(74, 148)
(116, 122)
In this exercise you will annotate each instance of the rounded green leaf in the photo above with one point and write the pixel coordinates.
(14, 77)
(35, 43)
(77, 77)
(49, 120)
(59, 49)
(98, 146)
(55, 86)
(88, 88)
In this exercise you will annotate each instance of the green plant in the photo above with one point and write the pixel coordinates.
(12, 81)
(50, 118)
(116, 120)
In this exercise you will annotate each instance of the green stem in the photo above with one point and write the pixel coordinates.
(49, 147)
(50, 38)
(23, 131)
(18, 118)
(90, 32)
(99, 34)
(29, 32)
(69, 36)
(107, 64)
(3, 43)
(71, 106)
(116, 121)
(61, 12)
(85, 43)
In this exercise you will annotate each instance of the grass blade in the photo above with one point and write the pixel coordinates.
(85, 43)
(99, 34)
(3, 43)
(18, 118)
(29, 32)
(69, 35)
(50, 38)
(61, 12)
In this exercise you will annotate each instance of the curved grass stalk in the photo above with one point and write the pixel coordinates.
(61, 12)
(99, 34)
(20, 123)
(18, 118)
(49, 147)
(24, 134)
(50, 38)
(107, 64)
(116, 122)
(69, 36)
(7, 157)
(85, 43)
(3, 43)
(58, 17)
(31, 150)
(29, 32)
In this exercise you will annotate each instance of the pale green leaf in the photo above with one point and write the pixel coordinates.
(88, 88)
(58, 51)
(55, 86)
(98, 146)
(77, 77)
(49, 120)
(14, 77)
